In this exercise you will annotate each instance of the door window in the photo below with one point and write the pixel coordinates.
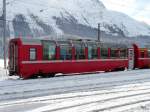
(32, 54)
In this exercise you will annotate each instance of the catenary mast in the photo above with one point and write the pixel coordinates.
(4, 31)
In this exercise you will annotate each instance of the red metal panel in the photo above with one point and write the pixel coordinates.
(109, 52)
(25, 52)
(29, 69)
(99, 52)
(141, 62)
(136, 55)
(145, 53)
(73, 53)
(57, 52)
(86, 52)
(144, 63)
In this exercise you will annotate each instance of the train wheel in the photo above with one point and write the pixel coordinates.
(120, 69)
(34, 76)
(44, 75)
(11, 73)
(48, 75)
(51, 75)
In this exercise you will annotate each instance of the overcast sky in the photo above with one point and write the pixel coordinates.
(138, 9)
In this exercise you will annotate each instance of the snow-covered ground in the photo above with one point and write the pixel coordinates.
(113, 92)
(3, 72)
(1, 63)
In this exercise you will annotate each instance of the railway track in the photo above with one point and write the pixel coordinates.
(123, 90)
(16, 83)
(67, 89)
(122, 105)
(101, 104)
(87, 94)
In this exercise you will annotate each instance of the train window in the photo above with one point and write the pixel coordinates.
(123, 53)
(32, 54)
(104, 53)
(92, 52)
(49, 50)
(114, 53)
(148, 52)
(80, 51)
(65, 52)
(142, 54)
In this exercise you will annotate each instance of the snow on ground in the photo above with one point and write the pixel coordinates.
(1, 63)
(113, 92)
(3, 72)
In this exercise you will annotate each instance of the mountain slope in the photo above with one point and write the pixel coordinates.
(76, 17)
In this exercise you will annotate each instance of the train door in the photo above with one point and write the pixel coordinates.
(131, 58)
(13, 58)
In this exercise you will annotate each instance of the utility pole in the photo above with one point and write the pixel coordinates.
(99, 32)
(4, 31)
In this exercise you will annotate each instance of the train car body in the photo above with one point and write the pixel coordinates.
(142, 57)
(29, 58)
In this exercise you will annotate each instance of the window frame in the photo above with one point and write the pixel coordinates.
(123, 53)
(35, 54)
(52, 43)
(93, 48)
(104, 52)
(68, 51)
(80, 53)
(148, 53)
(114, 53)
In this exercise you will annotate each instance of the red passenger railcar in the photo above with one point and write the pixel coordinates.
(142, 57)
(30, 58)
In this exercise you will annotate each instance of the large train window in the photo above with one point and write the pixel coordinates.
(49, 50)
(123, 53)
(65, 52)
(32, 54)
(92, 51)
(148, 52)
(80, 51)
(142, 52)
(104, 53)
(114, 53)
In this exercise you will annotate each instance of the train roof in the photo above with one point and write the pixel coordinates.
(35, 41)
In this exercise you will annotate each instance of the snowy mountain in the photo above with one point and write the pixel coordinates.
(75, 17)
